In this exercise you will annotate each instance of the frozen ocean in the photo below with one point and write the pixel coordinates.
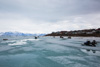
(48, 52)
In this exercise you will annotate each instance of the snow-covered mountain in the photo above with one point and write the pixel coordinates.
(1, 33)
(18, 34)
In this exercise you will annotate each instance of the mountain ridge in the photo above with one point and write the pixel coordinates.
(19, 34)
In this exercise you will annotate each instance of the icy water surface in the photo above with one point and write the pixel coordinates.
(47, 52)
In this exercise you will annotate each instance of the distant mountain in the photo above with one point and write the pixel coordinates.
(1, 33)
(19, 34)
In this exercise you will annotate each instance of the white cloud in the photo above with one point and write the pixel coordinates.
(16, 22)
(45, 16)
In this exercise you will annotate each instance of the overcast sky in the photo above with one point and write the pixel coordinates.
(46, 16)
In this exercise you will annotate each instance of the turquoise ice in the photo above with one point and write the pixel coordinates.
(47, 52)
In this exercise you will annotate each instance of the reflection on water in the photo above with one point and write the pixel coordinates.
(47, 52)
(94, 51)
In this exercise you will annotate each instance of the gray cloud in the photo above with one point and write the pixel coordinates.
(50, 9)
(75, 12)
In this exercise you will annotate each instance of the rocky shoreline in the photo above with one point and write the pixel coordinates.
(77, 33)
